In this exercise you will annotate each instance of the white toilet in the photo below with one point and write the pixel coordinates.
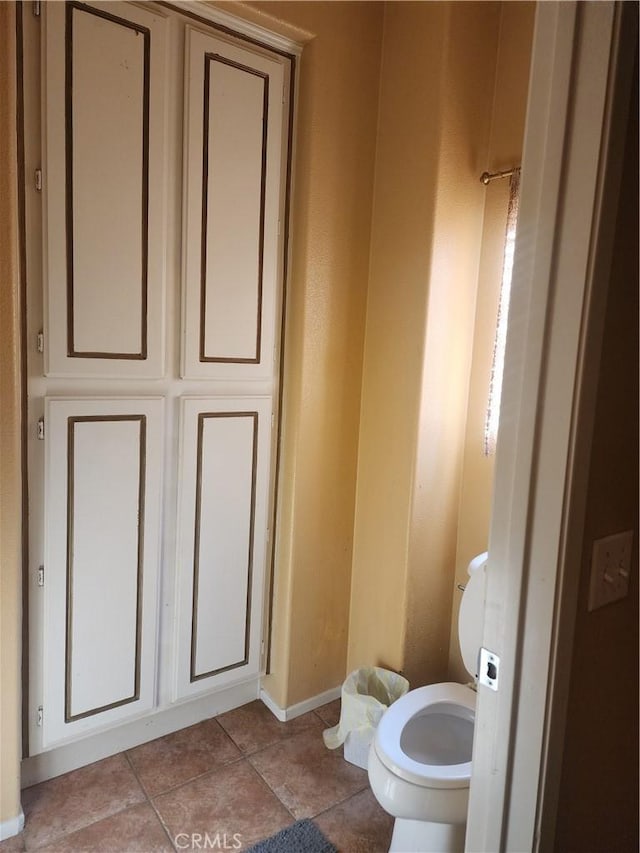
(420, 758)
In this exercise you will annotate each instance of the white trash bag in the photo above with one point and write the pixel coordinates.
(366, 694)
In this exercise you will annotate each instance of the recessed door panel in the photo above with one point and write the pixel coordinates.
(222, 538)
(236, 100)
(103, 180)
(103, 482)
(105, 542)
(232, 205)
(222, 549)
(107, 245)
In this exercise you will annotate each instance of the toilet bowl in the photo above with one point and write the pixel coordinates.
(420, 759)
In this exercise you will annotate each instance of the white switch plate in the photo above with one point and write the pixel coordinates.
(610, 567)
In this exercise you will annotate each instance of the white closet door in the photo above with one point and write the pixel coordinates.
(103, 485)
(104, 173)
(222, 539)
(135, 180)
(232, 203)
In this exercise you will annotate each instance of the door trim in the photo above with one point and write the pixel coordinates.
(578, 51)
(234, 26)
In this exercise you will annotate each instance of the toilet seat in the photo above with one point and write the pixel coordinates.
(429, 706)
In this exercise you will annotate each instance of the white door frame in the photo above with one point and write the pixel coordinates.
(582, 58)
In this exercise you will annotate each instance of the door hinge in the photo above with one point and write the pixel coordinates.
(36, 8)
(40, 715)
(40, 575)
(40, 341)
(37, 179)
(41, 429)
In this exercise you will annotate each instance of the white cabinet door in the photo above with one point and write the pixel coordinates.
(104, 123)
(160, 297)
(103, 464)
(222, 539)
(232, 208)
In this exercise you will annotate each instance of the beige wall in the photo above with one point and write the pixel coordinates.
(331, 219)
(10, 489)
(437, 85)
(425, 247)
(468, 75)
(505, 150)
(598, 799)
(405, 179)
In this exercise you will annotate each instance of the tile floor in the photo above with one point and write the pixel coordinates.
(234, 779)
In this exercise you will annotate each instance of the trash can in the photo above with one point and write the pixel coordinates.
(366, 694)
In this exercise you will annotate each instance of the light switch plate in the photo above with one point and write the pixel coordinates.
(610, 568)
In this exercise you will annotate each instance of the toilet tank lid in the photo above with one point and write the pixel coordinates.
(471, 615)
(478, 563)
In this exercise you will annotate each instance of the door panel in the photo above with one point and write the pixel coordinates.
(235, 103)
(223, 531)
(105, 498)
(233, 121)
(222, 538)
(103, 482)
(103, 181)
(130, 193)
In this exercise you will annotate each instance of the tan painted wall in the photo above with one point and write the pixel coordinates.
(505, 150)
(436, 94)
(598, 799)
(10, 466)
(331, 219)
(469, 70)
(425, 249)
(406, 176)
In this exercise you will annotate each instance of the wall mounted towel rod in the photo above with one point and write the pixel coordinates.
(487, 177)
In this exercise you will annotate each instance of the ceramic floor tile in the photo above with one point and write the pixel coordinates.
(307, 776)
(15, 844)
(359, 825)
(71, 802)
(135, 830)
(176, 758)
(254, 727)
(330, 713)
(229, 806)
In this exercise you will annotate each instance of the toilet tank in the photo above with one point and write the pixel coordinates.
(471, 614)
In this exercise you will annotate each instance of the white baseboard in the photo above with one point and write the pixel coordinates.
(70, 756)
(293, 711)
(11, 827)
